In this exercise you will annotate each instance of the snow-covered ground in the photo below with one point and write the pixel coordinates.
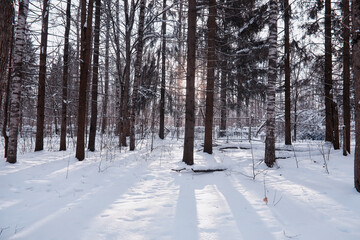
(136, 195)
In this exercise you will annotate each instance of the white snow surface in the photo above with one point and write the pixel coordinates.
(136, 195)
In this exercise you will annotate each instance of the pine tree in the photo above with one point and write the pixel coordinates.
(86, 25)
(137, 78)
(188, 154)
(95, 78)
(6, 20)
(39, 143)
(356, 73)
(346, 74)
(211, 63)
(163, 74)
(287, 74)
(65, 78)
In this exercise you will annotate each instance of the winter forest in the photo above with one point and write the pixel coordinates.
(175, 119)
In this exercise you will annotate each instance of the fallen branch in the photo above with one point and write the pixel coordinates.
(178, 170)
(208, 170)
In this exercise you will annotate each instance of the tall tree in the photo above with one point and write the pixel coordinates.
(65, 78)
(346, 74)
(211, 63)
(188, 155)
(39, 143)
(95, 78)
(138, 73)
(272, 75)
(86, 25)
(106, 65)
(287, 73)
(163, 74)
(224, 76)
(356, 73)
(329, 135)
(7, 13)
(129, 23)
(17, 81)
(6, 21)
(7, 96)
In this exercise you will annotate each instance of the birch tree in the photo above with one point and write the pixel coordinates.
(272, 75)
(17, 81)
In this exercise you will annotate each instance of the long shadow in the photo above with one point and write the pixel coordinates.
(45, 218)
(250, 224)
(186, 221)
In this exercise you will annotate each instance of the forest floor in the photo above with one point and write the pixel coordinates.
(138, 195)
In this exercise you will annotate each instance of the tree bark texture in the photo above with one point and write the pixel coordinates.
(138, 73)
(163, 74)
(211, 63)
(6, 21)
(106, 77)
(223, 81)
(287, 74)
(356, 74)
(188, 155)
(346, 73)
(86, 24)
(329, 135)
(95, 78)
(40, 120)
(272, 75)
(65, 79)
(7, 96)
(17, 81)
(129, 21)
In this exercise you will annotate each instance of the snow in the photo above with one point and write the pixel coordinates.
(136, 195)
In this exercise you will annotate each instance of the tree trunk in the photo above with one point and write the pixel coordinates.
(106, 65)
(329, 136)
(163, 74)
(346, 73)
(86, 25)
(39, 143)
(272, 75)
(65, 78)
(6, 21)
(129, 20)
(336, 141)
(7, 96)
(287, 74)
(95, 79)
(223, 101)
(188, 155)
(356, 73)
(17, 81)
(211, 63)
(138, 73)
